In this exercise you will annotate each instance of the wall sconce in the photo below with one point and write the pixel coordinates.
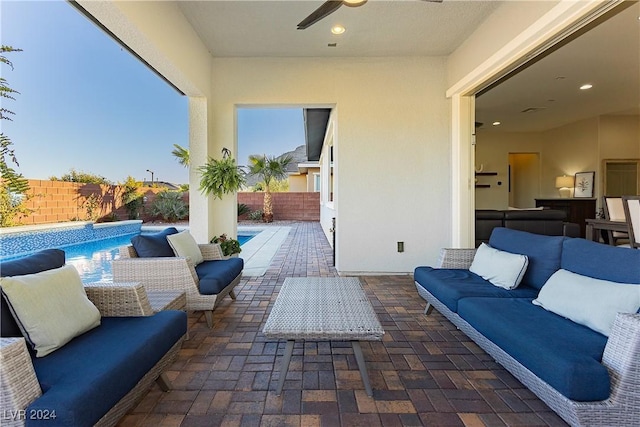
(564, 184)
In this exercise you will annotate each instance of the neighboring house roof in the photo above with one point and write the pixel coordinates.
(315, 127)
(303, 168)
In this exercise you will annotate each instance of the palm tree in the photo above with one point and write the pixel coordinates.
(182, 154)
(268, 168)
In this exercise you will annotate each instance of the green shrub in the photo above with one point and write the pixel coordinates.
(169, 206)
(243, 209)
(228, 246)
(256, 215)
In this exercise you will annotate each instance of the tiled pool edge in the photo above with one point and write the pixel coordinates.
(14, 244)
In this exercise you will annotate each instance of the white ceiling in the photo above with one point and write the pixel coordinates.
(608, 56)
(377, 28)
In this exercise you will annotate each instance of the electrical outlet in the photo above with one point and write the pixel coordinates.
(400, 246)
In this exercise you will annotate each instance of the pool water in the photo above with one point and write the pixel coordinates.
(93, 259)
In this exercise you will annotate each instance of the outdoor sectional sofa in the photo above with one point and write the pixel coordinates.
(583, 375)
(94, 378)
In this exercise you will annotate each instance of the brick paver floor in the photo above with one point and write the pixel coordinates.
(424, 372)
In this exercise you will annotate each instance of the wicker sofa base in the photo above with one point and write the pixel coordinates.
(112, 417)
(621, 409)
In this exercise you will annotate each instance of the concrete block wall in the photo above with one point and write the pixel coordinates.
(60, 201)
(286, 206)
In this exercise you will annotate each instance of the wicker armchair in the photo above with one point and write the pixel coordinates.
(173, 274)
(20, 386)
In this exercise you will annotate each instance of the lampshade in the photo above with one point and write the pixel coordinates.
(564, 181)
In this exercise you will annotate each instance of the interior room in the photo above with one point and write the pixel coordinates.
(543, 125)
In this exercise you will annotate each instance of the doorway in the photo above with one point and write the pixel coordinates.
(621, 177)
(524, 179)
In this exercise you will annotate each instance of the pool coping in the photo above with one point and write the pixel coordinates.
(258, 252)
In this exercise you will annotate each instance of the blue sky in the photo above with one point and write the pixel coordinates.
(88, 104)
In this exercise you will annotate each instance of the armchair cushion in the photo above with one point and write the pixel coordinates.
(215, 275)
(449, 286)
(154, 245)
(184, 245)
(90, 374)
(562, 353)
(51, 307)
(47, 259)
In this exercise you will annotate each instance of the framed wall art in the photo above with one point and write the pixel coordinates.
(584, 184)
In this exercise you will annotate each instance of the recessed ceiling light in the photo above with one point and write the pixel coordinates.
(354, 3)
(496, 123)
(338, 29)
(586, 86)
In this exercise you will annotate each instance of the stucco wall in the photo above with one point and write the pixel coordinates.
(391, 138)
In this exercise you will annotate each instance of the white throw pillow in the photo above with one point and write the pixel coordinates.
(590, 302)
(183, 244)
(501, 268)
(51, 307)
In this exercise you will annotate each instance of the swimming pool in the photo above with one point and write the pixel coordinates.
(93, 259)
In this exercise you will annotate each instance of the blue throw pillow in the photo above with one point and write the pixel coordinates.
(544, 252)
(154, 245)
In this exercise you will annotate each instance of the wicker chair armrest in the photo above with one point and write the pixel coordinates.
(127, 252)
(456, 258)
(211, 251)
(622, 359)
(119, 299)
(18, 383)
(156, 274)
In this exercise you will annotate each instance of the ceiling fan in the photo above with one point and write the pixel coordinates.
(331, 6)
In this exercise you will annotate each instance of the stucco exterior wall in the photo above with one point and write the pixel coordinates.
(391, 138)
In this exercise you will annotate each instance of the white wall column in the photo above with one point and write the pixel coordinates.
(462, 171)
(200, 219)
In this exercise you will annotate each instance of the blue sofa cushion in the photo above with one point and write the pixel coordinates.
(154, 245)
(44, 260)
(215, 275)
(450, 285)
(92, 372)
(543, 251)
(562, 353)
(600, 261)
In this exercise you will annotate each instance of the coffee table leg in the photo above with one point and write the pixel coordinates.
(285, 365)
(357, 352)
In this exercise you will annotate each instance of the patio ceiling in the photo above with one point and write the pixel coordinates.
(378, 28)
(608, 55)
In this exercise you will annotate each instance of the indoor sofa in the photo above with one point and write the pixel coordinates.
(585, 376)
(550, 222)
(96, 376)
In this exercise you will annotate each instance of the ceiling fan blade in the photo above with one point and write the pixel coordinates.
(326, 9)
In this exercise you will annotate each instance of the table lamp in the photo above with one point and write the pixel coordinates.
(564, 184)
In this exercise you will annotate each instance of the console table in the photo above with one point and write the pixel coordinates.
(577, 210)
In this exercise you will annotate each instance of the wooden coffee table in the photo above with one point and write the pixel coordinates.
(323, 309)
